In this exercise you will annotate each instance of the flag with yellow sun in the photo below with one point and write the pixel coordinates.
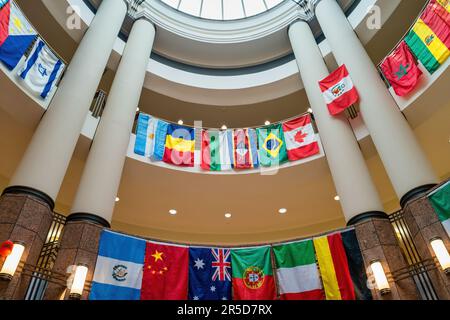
(165, 272)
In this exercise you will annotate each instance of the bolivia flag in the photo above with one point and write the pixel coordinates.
(272, 147)
(180, 146)
(297, 271)
(216, 153)
(300, 138)
(245, 149)
(252, 274)
(440, 200)
(442, 8)
(342, 267)
(16, 34)
(165, 272)
(429, 39)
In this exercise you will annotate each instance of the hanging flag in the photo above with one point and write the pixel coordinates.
(272, 147)
(209, 274)
(301, 141)
(118, 272)
(401, 70)
(180, 146)
(338, 91)
(429, 39)
(440, 201)
(297, 271)
(245, 149)
(252, 274)
(165, 272)
(215, 151)
(145, 135)
(16, 35)
(42, 69)
(442, 8)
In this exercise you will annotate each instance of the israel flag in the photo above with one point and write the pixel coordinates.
(41, 70)
(119, 268)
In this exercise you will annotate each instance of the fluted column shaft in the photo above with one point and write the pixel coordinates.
(401, 154)
(103, 170)
(351, 176)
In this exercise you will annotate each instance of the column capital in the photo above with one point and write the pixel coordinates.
(136, 11)
(306, 9)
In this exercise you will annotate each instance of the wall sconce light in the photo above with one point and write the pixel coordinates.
(380, 277)
(441, 254)
(12, 261)
(79, 279)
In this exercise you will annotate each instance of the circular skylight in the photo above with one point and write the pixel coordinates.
(223, 9)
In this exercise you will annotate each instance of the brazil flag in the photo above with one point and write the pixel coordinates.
(272, 147)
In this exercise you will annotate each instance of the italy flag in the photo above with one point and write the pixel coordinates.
(16, 34)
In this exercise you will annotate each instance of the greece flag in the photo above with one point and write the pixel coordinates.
(119, 268)
(41, 70)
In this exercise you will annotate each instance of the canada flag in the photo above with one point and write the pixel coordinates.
(301, 141)
(338, 91)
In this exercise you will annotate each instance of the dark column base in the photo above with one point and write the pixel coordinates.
(415, 193)
(24, 217)
(89, 217)
(377, 241)
(367, 216)
(79, 244)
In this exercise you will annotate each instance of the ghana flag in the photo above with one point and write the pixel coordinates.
(440, 200)
(342, 267)
(252, 274)
(429, 39)
(272, 147)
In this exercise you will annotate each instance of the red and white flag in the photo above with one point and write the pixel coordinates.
(301, 141)
(338, 91)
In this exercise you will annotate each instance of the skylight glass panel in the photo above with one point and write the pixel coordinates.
(272, 3)
(191, 7)
(172, 3)
(232, 9)
(212, 9)
(253, 7)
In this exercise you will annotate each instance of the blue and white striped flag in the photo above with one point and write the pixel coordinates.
(119, 268)
(41, 70)
(150, 137)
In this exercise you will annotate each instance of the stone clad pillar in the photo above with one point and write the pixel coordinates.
(26, 205)
(93, 206)
(408, 169)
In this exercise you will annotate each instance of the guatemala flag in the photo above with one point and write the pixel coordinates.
(42, 69)
(209, 274)
(119, 268)
(16, 34)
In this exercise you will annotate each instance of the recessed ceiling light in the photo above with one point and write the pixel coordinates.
(173, 212)
(138, 109)
(267, 123)
(228, 215)
(310, 110)
(117, 199)
(282, 210)
(337, 198)
(224, 127)
(180, 122)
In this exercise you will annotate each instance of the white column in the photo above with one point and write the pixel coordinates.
(397, 146)
(351, 176)
(46, 160)
(101, 176)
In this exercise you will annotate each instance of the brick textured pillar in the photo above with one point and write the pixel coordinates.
(378, 242)
(424, 225)
(23, 218)
(79, 244)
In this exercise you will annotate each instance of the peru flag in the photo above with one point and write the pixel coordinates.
(338, 91)
(301, 141)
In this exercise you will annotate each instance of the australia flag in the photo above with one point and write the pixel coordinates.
(209, 274)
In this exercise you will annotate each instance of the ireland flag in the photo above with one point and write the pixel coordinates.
(297, 271)
(272, 147)
(252, 274)
(440, 200)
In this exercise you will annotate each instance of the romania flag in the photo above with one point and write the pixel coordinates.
(180, 146)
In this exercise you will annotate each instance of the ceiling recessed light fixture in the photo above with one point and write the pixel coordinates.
(282, 210)
(173, 212)
(228, 215)
(267, 122)
(337, 198)
(138, 109)
(117, 199)
(310, 110)
(180, 122)
(224, 127)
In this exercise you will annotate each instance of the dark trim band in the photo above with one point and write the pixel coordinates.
(415, 193)
(88, 217)
(31, 192)
(366, 216)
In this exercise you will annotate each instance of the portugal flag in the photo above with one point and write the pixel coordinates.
(165, 272)
(252, 274)
(401, 70)
(301, 141)
(338, 91)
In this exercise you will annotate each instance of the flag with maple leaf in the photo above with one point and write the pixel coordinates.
(301, 141)
(165, 272)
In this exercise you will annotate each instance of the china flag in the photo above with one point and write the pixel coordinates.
(165, 272)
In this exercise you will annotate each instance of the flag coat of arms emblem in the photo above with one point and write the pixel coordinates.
(118, 272)
(209, 274)
(338, 91)
(272, 147)
(180, 146)
(41, 70)
(16, 34)
(301, 141)
(401, 70)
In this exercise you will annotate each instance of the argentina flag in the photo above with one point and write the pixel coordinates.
(41, 70)
(119, 268)
(150, 137)
(209, 274)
